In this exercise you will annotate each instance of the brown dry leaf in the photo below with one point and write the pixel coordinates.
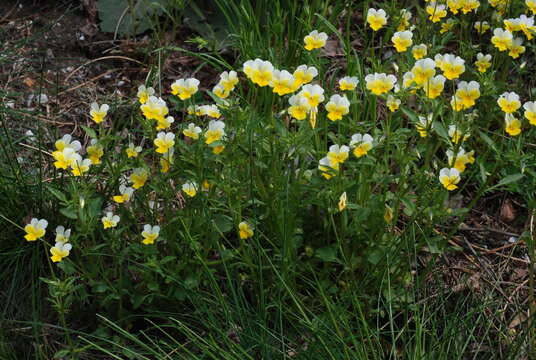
(508, 213)
(29, 82)
(333, 48)
(518, 319)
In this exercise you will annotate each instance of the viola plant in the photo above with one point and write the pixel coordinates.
(315, 168)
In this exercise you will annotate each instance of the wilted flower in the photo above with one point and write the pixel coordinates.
(62, 235)
(95, 151)
(456, 134)
(424, 124)
(139, 177)
(342, 201)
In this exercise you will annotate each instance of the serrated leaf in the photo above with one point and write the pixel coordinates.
(89, 131)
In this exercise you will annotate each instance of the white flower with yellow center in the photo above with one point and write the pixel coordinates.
(228, 80)
(449, 178)
(164, 141)
(60, 250)
(215, 131)
(110, 220)
(361, 143)
(530, 112)
(338, 154)
(419, 51)
(299, 107)
(192, 131)
(402, 40)
(62, 235)
(380, 83)
(483, 62)
(423, 70)
(303, 75)
(502, 39)
(150, 233)
(190, 188)
(155, 108)
(282, 82)
(313, 93)
(337, 107)
(98, 113)
(125, 193)
(144, 93)
(348, 83)
(434, 86)
(376, 18)
(185, 88)
(165, 123)
(509, 102)
(315, 40)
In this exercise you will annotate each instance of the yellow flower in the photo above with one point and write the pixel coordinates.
(245, 230)
(190, 189)
(380, 83)
(502, 39)
(125, 194)
(110, 220)
(342, 201)
(517, 48)
(59, 251)
(348, 83)
(259, 71)
(509, 102)
(337, 107)
(457, 135)
(327, 168)
(481, 26)
(362, 144)
(139, 177)
(526, 24)
(376, 18)
(423, 70)
(434, 86)
(424, 125)
(436, 11)
(338, 154)
(165, 123)
(449, 178)
(447, 26)
(388, 214)
(530, 112)
(313, 93)
(512, 25)
(150, 233)
(220, 91)
(393, 103)
(132, 150)
(228, 80)
(192, 131)
(66, 158)
(166, 160)
(407, 81)
(62, 235)
(95, 151)
(460, 161)
(144, 93)
(185, 88)
(512, 125)
(218, 149)
(402, 40)
(483, 62)
(451, 65)
(455, 5)
(405, 17)
(419, 51)
(304, 75)
(299, 107)
(98, 113)
(209, 110)
(35, 229)
(66, 142)
(531, 4)
(466, 94)
(469, 5)
(282, 82)
(315, 40)
(80, 167)
(154, 109)
(215, 131)
(164, 141)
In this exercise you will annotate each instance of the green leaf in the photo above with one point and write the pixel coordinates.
(440, 130)
(69, 212)
(327, 254)
(127, 20)
(222, 223)
(509, 179)
(58, 194)
(89, 131)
